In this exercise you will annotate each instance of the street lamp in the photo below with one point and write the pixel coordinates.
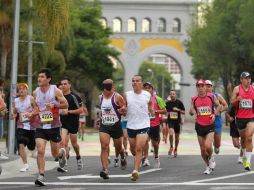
(150, 71)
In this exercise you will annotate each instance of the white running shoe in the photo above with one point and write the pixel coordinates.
(208, 170)
(146, 162)
(79, 164)
(62, 159)
(157, 163)
(212, 163)
(240, 160)
(24, 168)
(116, 162)
(3, 157)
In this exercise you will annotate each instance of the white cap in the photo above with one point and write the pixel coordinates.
(208, 82)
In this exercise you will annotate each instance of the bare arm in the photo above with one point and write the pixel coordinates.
(121, 103)
(224, 104)
(63, 104)
(2, 104)
(234, 97)
(217, 105)
(192, 110)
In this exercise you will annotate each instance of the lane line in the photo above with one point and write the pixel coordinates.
(222, 177)
(89, 176)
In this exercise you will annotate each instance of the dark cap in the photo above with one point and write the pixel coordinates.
(200, 82)
(245, 74)
(147, 84)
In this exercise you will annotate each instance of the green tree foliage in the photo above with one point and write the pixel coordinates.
(222, 47)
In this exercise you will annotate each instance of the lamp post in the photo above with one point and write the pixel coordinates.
(150, 71)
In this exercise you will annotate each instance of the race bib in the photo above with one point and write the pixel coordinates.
(46, 116)
(164, 117)
(206, 110)
(246, 104)
(173, 115)
(23, 118)
(108, 119)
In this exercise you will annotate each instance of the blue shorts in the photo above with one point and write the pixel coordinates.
(218, 125)
(124, 124)
(132, 133)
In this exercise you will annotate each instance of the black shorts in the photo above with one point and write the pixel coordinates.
(26, 137)
(234, 133)
(53, 134)
(132, 133)
(154, 133)
(241, 123)
(71, 128)
(115, 131)
(204, 130)
(175, 125)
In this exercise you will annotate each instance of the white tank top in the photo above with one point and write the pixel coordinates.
(137, 110)
(23, 107)
(108, 114)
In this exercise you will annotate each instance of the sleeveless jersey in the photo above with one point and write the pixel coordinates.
(158, 104)
(109, 113)
(204, 108)
(47, 119)
(23, 107)
(244, 108)
(137, 110)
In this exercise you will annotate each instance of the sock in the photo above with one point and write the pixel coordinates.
(248, 156)
(78, 157)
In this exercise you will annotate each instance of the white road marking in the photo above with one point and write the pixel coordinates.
(222, 177)
(89, 176)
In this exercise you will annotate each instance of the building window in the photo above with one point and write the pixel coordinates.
(132, 25)
(176, 25)
(103, 22)
(117, 25)
(146, 25)
(161, 25)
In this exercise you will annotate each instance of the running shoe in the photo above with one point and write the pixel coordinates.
(208, 170)
(142, 161)
(40, 181)
(104, 174)
(175, 153)
(216, 150)
(3, 157)
(79, 164)
(157, 163)
(116, 162)
(212, 163)
(24, 168)
(123, 163)
(240, 160)
(146, 162)
(61, 170)
(62, 158)
(244, 160)
(247, 166)
(134, 175)
(170, 151)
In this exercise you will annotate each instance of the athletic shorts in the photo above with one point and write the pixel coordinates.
(218, 125)
(71, 127)
(26, 137)
(132, 133)
(115, 131)
(203, 130)
(124, 124)
(234, 133)
(53, 134)
(154, 133)
(241, 123)
(175, 125)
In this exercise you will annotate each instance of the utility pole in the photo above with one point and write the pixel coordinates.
(30, 52)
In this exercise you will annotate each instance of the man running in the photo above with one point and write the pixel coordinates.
(175, 109)
(70, 120)
(243, 97)
(203, 105)
(112, 106)
(218, 119)
(139, 105)
(49, 100)
(159, 107)
(82, 122)
(25, 108)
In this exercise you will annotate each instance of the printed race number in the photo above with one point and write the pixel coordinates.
(108, 120)
(205, 110)
(46, 117)
(23, 118)
(173, 115)
(246, 104)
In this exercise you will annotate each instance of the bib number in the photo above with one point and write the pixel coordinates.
(204, 110)
(246, 104)
(108, 120)
(46, 117)
(23, 118)
(173, 115)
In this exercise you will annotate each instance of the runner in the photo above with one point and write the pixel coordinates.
(112, 106)
(139, 104)
(82, 122)
(25, 109)
(218, 119)
(49, 100)
(203, 105)
(164, 127)
(70, 120)
(242, 97)
(154, 133)
(230, 114)
(175, 109)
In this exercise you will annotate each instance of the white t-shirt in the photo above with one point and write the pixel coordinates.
(137, 110)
